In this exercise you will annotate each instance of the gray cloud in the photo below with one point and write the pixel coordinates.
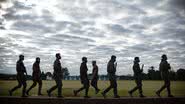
(96, 29)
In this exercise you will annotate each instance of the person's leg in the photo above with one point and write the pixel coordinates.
(52, 88)
(140, 88)
(134, 89)
(161, 89)
(24, 88)
(77, 91)
(59, 85)
(40, 87)
(86, 84)
(168, 88)
(86, 90)
(32, 86)
(94, 84)
(115, 89)
(16, 87)
(80, 89)
(107, 89)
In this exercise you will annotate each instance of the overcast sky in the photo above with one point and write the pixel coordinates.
(96, 29)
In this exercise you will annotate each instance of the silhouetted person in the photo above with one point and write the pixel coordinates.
(138, 77)
(95, 76)
(111, 69)
(57, 75)
(84, 78)
(36, 76)
(164, 68)
(21, 77)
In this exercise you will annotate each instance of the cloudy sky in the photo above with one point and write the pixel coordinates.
(96, 29)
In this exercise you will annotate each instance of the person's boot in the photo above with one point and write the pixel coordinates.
(86, 96)
(130, 93)
(103, 94)
(170, 95)
(116, 96)
(24, 95)
(49, 93)
(60, 96)
(158, 94)
(40, 94)
(98, 90)
(141, 95)
(75, 92)
(27, 92)
(10, 93)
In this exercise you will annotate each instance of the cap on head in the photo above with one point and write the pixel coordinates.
(84, 58)
(57, 54)
(94, 62)
(37, 59)
(136, 59)
(113, 57)
(21, 56)
(164, 56)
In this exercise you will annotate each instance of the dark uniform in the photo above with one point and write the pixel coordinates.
(95, 78)
(36, 75)
(164, 68)
(111, 69)
(138, 78)
(21, 77)
(84, 78)
(57, 75)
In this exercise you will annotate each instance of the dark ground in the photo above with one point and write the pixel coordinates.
(93, 100)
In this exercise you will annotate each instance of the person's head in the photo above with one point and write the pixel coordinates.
(113, 58)
(58, 56)
(37, 59)
(136, 59)
(21, 57)
(164, 57)
(93, 63)
(84, 59)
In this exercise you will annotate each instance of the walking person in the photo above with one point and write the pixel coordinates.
(57, 75)
(138, 77)
(111, 69)
(36, 76)
(21, 77)
(84, 78)
(95, 77)
(164, 68)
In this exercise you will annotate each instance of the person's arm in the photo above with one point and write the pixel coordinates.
(168, 65)
(26, 73)
(115, 65)
(81, 69)
(135, 69)
(161, 67)
(94, 73)
(142, 67)
(25, 70)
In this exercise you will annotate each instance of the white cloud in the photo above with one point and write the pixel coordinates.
(96, 29)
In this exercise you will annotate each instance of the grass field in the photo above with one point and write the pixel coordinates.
(149, 88)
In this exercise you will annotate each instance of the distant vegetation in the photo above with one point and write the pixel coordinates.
(151, 75)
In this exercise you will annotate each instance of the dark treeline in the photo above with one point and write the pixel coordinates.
(151, 75)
